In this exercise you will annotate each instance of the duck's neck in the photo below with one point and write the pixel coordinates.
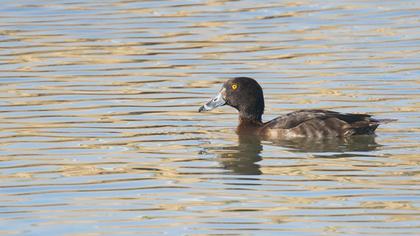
(250, 115)
(249, 125)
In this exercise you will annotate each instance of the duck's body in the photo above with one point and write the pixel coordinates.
(315, 124)
(246, 95)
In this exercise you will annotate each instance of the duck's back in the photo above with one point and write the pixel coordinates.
(319, 124)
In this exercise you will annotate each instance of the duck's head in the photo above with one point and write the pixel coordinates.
(242, 93)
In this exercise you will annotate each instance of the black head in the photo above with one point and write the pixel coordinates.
(242, 93)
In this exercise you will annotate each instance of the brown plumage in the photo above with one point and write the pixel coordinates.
(318, 124)
(246, 95)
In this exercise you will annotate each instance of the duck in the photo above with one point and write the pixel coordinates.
(246, 96)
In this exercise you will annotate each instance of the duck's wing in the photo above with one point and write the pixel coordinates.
(320, 123)
(296, 118)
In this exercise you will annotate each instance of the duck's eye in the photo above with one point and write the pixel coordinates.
(234, 86)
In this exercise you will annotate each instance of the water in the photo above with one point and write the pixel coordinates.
(100, 133)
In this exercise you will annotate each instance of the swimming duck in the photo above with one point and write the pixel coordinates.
(246, 95)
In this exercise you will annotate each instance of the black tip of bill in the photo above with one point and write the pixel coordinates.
(201, 109)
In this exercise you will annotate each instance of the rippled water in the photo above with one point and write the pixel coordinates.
(100, 133)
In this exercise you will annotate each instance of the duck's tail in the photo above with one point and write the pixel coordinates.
(367, 126)
(384, 121)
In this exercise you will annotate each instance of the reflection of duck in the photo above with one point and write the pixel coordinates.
(246, 95)
(242, 159)
(349, 144)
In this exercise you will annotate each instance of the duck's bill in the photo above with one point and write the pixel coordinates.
(213, 103)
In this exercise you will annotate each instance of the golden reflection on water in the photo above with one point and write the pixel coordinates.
(101, 135)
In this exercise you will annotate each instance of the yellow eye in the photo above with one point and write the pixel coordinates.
(234, 86)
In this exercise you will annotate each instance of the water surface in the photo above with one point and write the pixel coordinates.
(100, 133)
